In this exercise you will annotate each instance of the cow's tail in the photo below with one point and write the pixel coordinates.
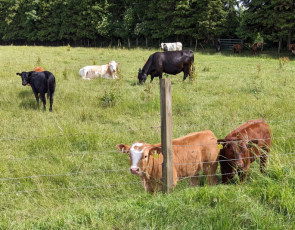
(48, 89)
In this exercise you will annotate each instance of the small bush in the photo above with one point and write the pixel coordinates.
(65, 73)
(147, 93)
(259, 68)
(68, 47)
(194, 75)
(283, 62)
(206, 69)
(93, 62)
(109, 98)
(38, 60)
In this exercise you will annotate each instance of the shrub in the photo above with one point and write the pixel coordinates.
(109, 98)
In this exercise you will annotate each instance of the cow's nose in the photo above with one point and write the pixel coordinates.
(240, 164)
(134, 170)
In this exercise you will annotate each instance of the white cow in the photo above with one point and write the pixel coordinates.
(171, 46)
(105, 71)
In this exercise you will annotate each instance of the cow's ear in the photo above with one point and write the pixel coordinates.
(221, 143)
(18, 74)
(139, 70)
(252, 143)
(123, 148)
(155, 150)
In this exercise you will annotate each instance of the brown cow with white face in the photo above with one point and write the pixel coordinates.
(242, 146)
(190, 154)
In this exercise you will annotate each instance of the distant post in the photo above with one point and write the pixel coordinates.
(166, 135)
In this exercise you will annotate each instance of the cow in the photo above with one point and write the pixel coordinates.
(292, 48)
(243, 146)
(218, 46)
(237, 47)
(107, 71)
(38, 69)
(171, 46)
(256, 46)
(192, 154)
(41, 82)
(172, 62)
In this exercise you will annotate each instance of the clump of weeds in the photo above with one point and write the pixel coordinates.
(283, 61)
(110, 98)
(147, 93)
(65, 73)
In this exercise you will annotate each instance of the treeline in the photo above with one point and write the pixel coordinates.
(144, 22)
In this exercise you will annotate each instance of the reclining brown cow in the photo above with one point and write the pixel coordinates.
(189, 158)
(242, 146)
(236, 48)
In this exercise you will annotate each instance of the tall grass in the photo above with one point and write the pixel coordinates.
(231, 92)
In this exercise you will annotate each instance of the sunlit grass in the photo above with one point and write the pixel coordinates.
(230, 91)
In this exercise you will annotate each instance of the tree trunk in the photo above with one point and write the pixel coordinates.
(136, 41)
(280, 45)
(81, 42)
(289, 39)
(63, 43)
(146, 42)
(262, 45)
(129, 43)
(196, 44)
(191, 42)
(118, 42)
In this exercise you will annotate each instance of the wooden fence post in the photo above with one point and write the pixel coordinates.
(166, 135)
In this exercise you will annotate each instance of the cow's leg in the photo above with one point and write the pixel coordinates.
(37, 98)
(194, 181)
(152, 78)
(42, 95)
(210, 170)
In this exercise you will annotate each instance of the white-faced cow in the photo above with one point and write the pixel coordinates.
(192, 154)
(171, 46)
(41, 82)
(172, 62)
(218, 46)
(105, 71)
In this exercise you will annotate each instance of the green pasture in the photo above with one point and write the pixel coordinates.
(79, 137)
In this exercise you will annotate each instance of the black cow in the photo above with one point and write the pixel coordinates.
(41, 82)
(172, 62)
(218, 46)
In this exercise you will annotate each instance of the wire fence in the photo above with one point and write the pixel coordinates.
(127, 169)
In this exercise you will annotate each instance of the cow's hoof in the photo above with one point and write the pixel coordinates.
(50, 110)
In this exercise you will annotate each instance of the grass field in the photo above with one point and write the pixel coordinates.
(79, 137)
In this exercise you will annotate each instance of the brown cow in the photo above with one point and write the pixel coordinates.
(38, 69)
(242, 146)
(237, 47)
(189, 157)
(292, 47)
(255, 46)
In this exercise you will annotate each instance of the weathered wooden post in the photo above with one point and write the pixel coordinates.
(166, 135)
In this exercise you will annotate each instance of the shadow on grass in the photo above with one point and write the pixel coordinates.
(26, 93)
(30, 104)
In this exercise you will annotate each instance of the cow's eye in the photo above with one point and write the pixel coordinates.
(145, 156)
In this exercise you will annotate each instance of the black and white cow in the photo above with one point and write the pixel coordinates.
(172, 62)
(41, 82)
(171, 46)
(218, 46)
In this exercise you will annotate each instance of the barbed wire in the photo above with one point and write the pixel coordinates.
(74, 134)
(128, 130)
(73, 188)
(127, 169)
